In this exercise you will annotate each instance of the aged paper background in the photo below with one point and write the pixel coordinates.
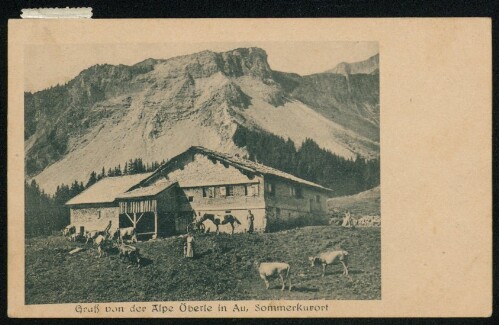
(436, 136)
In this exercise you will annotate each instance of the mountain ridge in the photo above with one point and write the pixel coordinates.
(159, 107)
(368, 66)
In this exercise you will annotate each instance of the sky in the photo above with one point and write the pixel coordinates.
(49, 65)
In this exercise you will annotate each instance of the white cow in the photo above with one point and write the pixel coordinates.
(127, 233)
(102, 244)
(273, 269)
(330, 257)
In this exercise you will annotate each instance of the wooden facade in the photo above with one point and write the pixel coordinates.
(157, 209)
(200, 181)
(138, 206)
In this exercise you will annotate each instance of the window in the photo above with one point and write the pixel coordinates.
(209, 192)
(270, 188)
(191, 198)
(318, 198)
(295, 191)
(229, 190)
(251, 190)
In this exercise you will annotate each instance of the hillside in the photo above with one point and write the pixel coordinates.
(364, 203)
(156, 109)
(223, 269)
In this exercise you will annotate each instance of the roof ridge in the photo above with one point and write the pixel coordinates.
(243, 160)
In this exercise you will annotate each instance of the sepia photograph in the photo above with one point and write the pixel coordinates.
(249, 168)
(202, 171)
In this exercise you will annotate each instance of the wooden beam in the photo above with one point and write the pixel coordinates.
(129, 218)
(156, 223)
(140, 217)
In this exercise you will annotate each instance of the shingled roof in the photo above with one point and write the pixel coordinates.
(243, 164)
(107, 189)
(147, 191)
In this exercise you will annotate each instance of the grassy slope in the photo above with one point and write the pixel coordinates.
(364, 203)
(223, 270)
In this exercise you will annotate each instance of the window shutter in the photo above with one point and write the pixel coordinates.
(222, 191)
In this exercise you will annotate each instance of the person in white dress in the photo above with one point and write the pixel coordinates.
(189, 247)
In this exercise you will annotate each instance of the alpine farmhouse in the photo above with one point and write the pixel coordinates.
(196, 182)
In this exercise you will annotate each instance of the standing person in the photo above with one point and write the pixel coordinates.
(347, 220)
(107, 231)
(189, 247)
(251, 219)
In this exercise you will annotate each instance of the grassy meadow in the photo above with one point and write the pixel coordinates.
(222, 270)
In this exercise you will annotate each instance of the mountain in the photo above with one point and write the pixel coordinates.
(158, 108)
(369, 66)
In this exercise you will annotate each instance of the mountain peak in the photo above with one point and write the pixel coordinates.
(158, 107)
(367, 66)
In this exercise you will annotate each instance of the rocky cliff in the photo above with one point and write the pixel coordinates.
(158, 108)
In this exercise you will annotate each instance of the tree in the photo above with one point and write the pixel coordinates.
(92, 180)
(309, 161)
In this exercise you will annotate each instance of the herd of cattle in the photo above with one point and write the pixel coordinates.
(364, 221)
(282, 270)
(106, 240)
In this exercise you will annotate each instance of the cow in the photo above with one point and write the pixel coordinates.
(122, 233)
(129, 252)
(74, 237)
(93, 234)
(102, 243)
(273, 269)
(330, 257)
(69, 230)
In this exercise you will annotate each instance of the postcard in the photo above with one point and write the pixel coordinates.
(250, 168)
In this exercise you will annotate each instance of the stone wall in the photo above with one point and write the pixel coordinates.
(95, 218)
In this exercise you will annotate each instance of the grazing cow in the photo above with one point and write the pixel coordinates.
(273, 269)
(93, 234)
(129, 252)
(129, 232)
(102, 244)
(74, 237)
(69, 230)
(330, 257)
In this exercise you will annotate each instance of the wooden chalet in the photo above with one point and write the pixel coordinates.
(196, 182)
